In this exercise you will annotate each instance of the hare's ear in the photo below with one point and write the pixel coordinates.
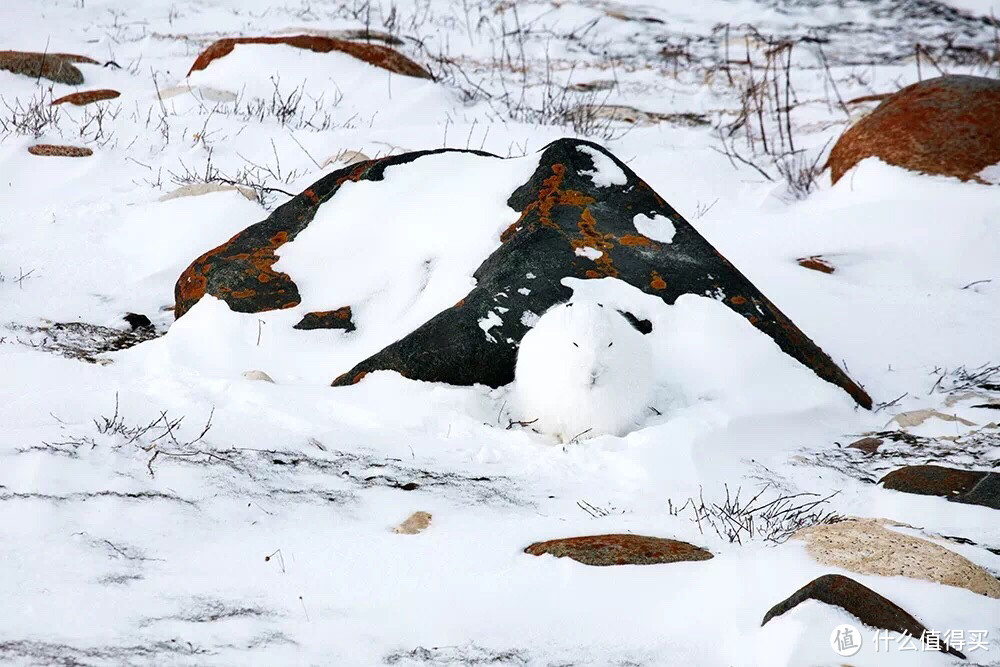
(642, 326)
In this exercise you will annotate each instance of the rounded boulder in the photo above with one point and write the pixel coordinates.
(949, 125)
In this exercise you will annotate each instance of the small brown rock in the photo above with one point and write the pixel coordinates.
(816, 263)
(87, 97)
(328, 319)
(417, 522)
(620, 549)
(51, 150)
(867, 445)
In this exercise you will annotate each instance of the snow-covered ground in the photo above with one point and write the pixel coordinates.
(258, 529)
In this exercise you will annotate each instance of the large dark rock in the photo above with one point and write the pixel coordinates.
(974, 487)
(562, 211)
(858, 600)
(623, 549)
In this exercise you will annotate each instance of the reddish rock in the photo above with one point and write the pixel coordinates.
(949, 125)
(976, 487)
(51, 150)
(373, 54)
(860, 601)
(87, 97)
(619, 550)
(56, 67)
(816, 263)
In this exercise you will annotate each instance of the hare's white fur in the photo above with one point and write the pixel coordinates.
(583, 371)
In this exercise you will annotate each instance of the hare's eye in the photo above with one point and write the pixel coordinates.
(611, 343)
(575, 345)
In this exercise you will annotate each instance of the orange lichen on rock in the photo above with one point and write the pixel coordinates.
(738, 300)
(636, 240)
(657, 282)
(550, 195)
(591, 237)
(254, 260)
(373, 54)
(87, 97)
(949, 125)
(192, 284)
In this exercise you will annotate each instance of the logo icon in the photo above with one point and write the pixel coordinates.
(845, 640)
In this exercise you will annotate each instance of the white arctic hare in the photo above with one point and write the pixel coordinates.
(583, 370)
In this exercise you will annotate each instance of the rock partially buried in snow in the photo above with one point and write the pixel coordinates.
(87, 97)
(858, 600)
(417, 522)
(949, 125)
(241, 273)
(56, 67)
(866, 546)
(623, 549)
(373, 54)
(868, 445)
(341, 318)
(52, 150)
(816, 263)
(579, 198)
(974, 487)
(565, 208)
